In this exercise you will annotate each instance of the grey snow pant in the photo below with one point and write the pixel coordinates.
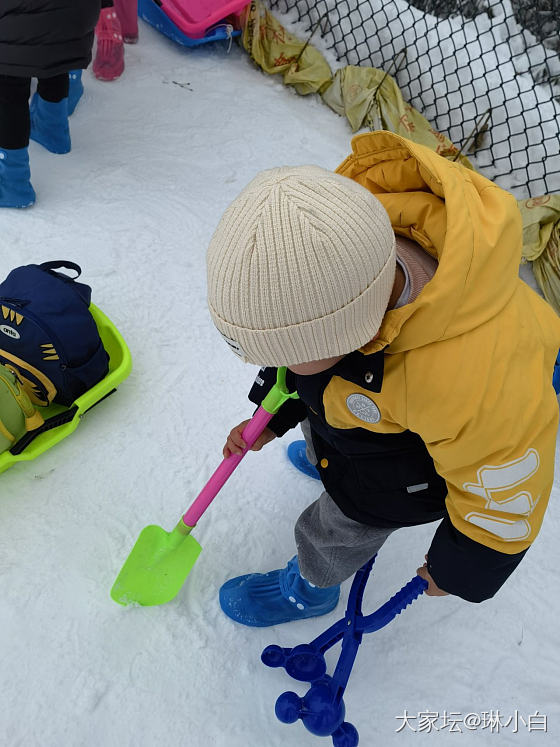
(331, 547)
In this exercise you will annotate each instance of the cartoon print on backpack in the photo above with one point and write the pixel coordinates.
(49, 338)
(38, 387)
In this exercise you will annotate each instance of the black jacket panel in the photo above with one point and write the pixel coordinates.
(386, 479)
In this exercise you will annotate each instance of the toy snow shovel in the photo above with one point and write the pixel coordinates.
(160, 561)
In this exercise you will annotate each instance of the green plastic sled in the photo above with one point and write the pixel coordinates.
(61, 421)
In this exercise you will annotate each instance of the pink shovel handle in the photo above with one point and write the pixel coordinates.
(251, 432)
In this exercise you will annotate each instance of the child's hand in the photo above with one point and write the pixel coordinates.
(433, 589)
(235, 443)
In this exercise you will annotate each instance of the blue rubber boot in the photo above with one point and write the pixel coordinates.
(297, 454)
(75, 90)
(15, 185)
(263, 599)
(49, 124)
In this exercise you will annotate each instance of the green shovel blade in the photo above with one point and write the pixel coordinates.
(157, 566)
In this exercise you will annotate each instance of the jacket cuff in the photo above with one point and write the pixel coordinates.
(292, 412)
(463, 567)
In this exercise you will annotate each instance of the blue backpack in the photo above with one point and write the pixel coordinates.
(48, 337)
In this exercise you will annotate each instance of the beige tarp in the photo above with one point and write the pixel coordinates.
(366, 96)
(541, 243)
(370, 98)
(277, 51)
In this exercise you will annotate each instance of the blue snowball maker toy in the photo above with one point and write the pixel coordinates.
(322, 709)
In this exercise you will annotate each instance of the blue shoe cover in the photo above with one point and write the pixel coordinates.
(49, 124)
(15, 186)
(263, 599)
(297, 454)
(75, 90)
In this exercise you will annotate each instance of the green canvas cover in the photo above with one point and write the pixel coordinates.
(371, 98)
(367, 97)
(275, 50)
(17, 414)
(541, 243)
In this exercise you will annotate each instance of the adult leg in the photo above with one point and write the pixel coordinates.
(53, 89)
(15, 185)
(14, 112)
(49, 114)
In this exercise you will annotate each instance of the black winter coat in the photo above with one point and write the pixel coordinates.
(42, 38)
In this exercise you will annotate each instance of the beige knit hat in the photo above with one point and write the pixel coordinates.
(300, 267)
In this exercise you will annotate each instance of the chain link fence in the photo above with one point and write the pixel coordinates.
(484, 72)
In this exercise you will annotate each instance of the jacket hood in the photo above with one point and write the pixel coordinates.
(471, 226)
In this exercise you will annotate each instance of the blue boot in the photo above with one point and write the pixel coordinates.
(49, 124)
(297, 454)
(75, 90)
(263, 599)
(15, 186)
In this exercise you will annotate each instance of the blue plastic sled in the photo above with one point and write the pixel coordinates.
(152, 13)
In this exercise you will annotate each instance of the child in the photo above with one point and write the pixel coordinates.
(118, 23)
(423, 365)
(44, 39)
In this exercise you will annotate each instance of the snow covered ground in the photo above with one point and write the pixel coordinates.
(156, 158)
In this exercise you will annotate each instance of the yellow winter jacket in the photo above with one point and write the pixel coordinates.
(468, 364)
